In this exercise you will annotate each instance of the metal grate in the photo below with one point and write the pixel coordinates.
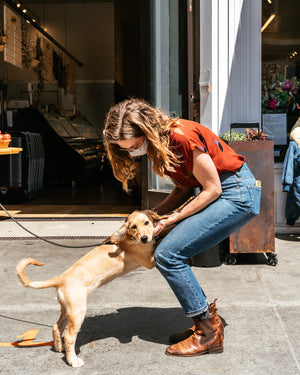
(54, 238)
(62, 229)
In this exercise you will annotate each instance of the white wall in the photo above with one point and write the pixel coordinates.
(86, 30)
(230, 61)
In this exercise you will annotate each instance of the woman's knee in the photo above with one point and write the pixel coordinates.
(158, 256)
(163, 257)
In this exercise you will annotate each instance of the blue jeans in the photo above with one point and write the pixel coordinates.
(238, 204)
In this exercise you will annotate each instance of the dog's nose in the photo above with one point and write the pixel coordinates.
(144, 239)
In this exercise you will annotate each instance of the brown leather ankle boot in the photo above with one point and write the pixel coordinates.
(206, 338)
(177, 337)
(213, 312)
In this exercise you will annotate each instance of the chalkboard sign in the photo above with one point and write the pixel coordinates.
(274, 124)
(12, 28)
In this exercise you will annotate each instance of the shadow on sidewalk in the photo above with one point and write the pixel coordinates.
(149, 324)
(289, 237)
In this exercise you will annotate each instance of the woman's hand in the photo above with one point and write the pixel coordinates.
(159, 227)
(164, 223)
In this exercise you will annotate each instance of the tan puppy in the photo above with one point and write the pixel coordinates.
(133, 246)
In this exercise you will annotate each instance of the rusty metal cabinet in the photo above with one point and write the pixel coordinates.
(258, 236)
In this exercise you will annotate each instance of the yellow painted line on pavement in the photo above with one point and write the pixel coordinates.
(27, 340)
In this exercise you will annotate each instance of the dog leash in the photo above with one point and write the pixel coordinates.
(104, 242)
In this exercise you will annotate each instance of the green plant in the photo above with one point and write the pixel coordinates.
(234, 136)
(249, 135)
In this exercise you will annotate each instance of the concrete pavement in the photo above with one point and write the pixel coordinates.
(128, 320)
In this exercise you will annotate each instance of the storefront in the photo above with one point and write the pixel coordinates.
(218, 62)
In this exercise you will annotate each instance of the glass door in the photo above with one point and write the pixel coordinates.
(171, 76)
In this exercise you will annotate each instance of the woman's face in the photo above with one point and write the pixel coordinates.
(131, 144)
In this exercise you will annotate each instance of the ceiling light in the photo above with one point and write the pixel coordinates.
(267, 23)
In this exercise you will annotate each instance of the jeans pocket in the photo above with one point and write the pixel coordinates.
(255, 194)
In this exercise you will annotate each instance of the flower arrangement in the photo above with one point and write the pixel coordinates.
(280, 94)
(254, 135)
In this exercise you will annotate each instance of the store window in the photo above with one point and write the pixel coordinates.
(280, 70)
(168, 49)
(172, 64)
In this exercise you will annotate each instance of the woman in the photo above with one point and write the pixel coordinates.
(193, 157)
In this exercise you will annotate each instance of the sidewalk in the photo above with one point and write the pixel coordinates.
(128, 320)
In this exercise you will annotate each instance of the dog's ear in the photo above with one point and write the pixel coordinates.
(120, 234)
(154, 215)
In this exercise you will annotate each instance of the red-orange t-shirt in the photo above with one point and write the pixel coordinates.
(183, 140)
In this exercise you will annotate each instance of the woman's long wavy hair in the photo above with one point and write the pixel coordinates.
(134, 118)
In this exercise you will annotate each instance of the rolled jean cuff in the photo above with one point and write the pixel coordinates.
(192, 315)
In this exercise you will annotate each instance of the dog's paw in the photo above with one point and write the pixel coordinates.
(76, 362)
(59, 347)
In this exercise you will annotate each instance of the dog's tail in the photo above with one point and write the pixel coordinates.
(33, 284)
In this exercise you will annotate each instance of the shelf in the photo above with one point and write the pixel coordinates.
(10, 150)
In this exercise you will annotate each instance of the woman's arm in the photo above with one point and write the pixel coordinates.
(206, 173)
(176, 198)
